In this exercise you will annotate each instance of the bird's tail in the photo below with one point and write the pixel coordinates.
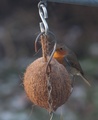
(85, 80)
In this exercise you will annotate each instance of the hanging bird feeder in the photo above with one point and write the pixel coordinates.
(46, 82)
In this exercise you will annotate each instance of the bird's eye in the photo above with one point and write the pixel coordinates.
(61, 48)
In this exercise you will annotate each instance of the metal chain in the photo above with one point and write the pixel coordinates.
(44, 33)
(49, 88)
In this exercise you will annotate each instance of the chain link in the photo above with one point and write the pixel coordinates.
(49, 88)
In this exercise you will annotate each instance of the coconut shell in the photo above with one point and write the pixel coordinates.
(35, 83)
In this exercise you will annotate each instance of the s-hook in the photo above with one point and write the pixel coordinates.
(43, 15)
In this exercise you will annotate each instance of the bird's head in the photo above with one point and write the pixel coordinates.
(61, 51)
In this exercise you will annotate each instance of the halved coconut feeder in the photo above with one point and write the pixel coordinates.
(36, 84)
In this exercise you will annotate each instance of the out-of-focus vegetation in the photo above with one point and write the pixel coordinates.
(76, 26)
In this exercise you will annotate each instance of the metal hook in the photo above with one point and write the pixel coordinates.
(38, 37)
(42, 6)
(51, 56)
(43, 15)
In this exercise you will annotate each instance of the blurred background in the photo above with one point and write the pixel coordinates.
(74, 25)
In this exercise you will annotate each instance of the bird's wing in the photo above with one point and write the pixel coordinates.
(72, 61)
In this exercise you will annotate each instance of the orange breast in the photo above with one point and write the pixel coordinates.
(59, 57)
(59, 54)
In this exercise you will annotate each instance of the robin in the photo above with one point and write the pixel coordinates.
(68, 58)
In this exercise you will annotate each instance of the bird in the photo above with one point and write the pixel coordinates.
(68, 59)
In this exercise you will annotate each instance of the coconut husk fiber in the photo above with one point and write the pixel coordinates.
(35, 83)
